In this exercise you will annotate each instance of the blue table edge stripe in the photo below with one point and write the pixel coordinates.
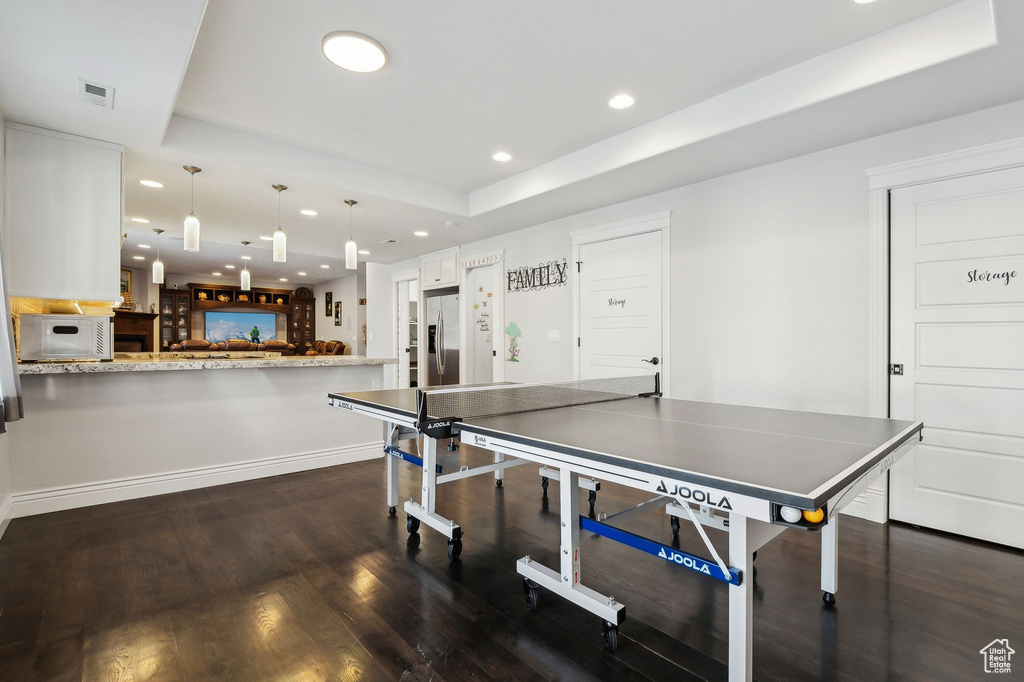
(408, 457)
(682, 559)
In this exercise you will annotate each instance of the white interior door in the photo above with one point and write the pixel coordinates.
(620, 313)
(403, 347)
(481, 300)
(958, 331)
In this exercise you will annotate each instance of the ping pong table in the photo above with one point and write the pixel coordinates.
(747, 471)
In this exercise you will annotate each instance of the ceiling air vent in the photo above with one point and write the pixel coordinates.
(94, 93)
(390, 241)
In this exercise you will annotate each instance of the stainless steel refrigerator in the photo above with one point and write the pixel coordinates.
(442, 318)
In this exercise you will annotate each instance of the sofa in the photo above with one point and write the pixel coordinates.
(273, 346)
(334, 347)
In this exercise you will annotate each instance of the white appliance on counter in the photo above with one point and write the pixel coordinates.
(66, 337)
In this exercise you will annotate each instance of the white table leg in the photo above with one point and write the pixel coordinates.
(569, 502)
(830, 559)
(392, 474)
(741, 601)
(429, 489)
(499, 473)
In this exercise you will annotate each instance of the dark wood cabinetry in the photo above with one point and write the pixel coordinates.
(175, 313)
(133, 332)
(302, 324)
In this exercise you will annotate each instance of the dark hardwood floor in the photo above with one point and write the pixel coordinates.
(305, 577)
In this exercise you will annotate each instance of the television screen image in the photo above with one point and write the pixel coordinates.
(255, 327)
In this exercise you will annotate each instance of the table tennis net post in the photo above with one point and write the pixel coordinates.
(490, 401)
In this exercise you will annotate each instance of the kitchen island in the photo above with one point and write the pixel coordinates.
(147, 424)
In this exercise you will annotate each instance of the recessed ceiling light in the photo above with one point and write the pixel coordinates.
(144, 246)
(284, 279)
(421, 233)
(863, 2)
(246, 257)
(354, 51)
(215, 274)
(139, 257)
(502, 156)
(326, 267)
(151, 183)
(364, 252)
(139, 220)
(621, 102)
(229, 266)
(266, 238)
(308, 211)
(302, 274)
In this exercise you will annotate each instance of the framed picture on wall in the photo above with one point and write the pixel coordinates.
(126, 281)
(337, 313)
(329, 302)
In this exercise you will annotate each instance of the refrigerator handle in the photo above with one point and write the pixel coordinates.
(439, 344)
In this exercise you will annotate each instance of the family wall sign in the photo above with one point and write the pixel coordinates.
(526, 278)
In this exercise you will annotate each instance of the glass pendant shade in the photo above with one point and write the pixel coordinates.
(280, 246)
(191, 232)
(350, 255)
(246, 282)
(158, 271)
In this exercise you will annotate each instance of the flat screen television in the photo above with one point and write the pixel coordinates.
(259, 327)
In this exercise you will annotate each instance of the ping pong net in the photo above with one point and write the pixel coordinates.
(465, 402)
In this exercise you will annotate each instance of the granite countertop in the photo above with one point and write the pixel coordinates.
(148, 362)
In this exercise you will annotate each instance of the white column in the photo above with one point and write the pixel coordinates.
(741, 601)
(569, 503)
(830, 555)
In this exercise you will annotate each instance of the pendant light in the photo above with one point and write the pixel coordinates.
(280, 240)
(246, 282)
(351, 262)
(191, 221)
(158, 265)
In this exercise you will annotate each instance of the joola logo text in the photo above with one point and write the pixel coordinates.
(683, 560)
(695, 495)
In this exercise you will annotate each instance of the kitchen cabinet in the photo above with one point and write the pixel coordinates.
(63, 215)
(175, 317)
(440, 269)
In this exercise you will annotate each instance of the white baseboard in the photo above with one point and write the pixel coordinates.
(72, 497)
(6, 514)
(869, 505)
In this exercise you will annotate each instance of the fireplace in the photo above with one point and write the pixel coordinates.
(134, 332)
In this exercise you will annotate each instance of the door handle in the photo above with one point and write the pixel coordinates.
(438, 353)
(652, 361)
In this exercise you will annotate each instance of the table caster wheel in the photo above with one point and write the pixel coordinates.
(829, 598)
(412, 524)
(497, 483)
(454, 548)
(592, 498)
(674, 522)
(611, 637)
(544, 484)
(531, 592)
(392, 511)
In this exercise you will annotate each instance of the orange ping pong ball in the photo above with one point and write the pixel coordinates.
(814, 516)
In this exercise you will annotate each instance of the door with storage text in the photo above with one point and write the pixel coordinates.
(957, 348)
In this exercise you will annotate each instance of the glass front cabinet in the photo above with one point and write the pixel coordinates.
(175, 315)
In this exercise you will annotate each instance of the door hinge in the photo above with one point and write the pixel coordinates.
(578, 342)
(578, 264)
(494, 353)
(896, 370)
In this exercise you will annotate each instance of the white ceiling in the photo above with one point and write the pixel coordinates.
(531, 77)
(719, 87)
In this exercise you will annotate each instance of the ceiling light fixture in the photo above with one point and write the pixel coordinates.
(622, 101)
(229, 266)
(354, 51)
(421, 233)
(140, 220)
(247, 257)
(351, 261)
(862, 2)
(326, 267)
(139, 257)
(308, 211)
(363, 252)
(215, 274)
(151, 183)
(158, 265)
(280, 239)
(246, 281)
(144, 246)
(302, 274)
(266, 238)
(191, 221)
(502, 156)
(284, 279)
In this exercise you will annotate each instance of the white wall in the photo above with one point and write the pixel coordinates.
(5, 445)
(769, 274)
(346, 290)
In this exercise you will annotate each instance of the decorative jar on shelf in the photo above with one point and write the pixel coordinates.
(263, 298)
